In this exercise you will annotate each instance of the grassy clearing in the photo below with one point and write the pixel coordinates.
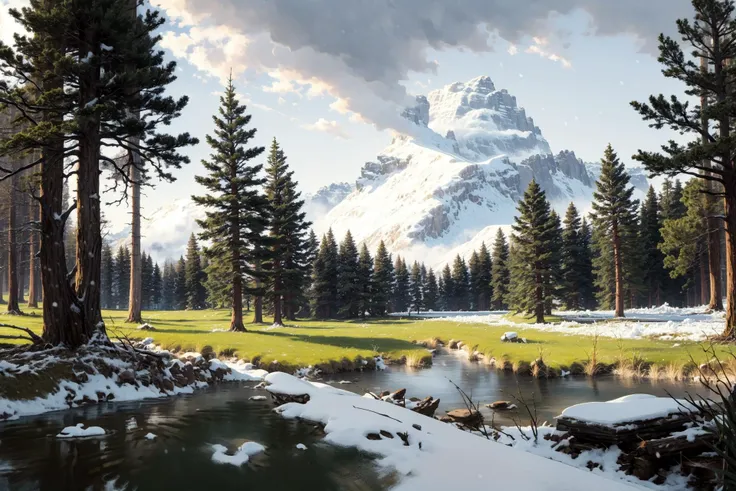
(339, 343)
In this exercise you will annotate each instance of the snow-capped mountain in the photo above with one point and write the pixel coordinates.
(460, 174)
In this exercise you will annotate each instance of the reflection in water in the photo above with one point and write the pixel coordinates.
(180, 457)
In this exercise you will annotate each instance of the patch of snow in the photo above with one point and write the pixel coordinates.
(150, 436)
(635, 407)
(240, 457)
(380, 364)
(105, 47)
(439, 456)
(91, 103)
(508, 336)
(258, 398)
(301, 446)
(243, 372)
(147, 341)
(80, 431)
(344, 382)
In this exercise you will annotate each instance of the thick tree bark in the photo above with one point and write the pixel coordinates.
(714, 224)
(32, 257)
(134, 302)
(618, 267)
(13, 299)
(277, 287)
(258, 301)
(730, 206)
(134, 174)
(89, 236)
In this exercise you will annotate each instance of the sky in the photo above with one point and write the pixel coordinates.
(328, 79)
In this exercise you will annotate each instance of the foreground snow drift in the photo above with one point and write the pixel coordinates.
(636, 407)
(428, 453)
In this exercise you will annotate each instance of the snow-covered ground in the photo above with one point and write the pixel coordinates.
(430, 454)
(665, 322)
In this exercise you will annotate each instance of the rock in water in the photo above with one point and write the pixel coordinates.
(501, 406)
(466, 417)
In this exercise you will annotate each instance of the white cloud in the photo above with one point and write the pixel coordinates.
(513, 50)
(541, 48)
(325, 126)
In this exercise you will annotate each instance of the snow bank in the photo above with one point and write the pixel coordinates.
(240, 457)
(437, 455)
(665, 322)
(240, 371)
(627, 409)
(150, 436)
(80, 431)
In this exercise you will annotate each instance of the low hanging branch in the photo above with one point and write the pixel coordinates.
(34, 338)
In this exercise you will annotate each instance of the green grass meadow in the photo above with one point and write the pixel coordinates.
(311, 342)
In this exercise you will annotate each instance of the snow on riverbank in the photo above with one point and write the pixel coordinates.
(99, 373)
(625, 409)
(665, 322)
(429, 454)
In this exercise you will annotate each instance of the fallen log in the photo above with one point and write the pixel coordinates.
(629, 433)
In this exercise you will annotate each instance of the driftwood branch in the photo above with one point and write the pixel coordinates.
(376, 412)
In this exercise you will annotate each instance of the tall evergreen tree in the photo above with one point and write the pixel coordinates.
(146, 275)
(365, 281)
(236, 211)
(156, 287)
(708, 36)
(180, 285)
(196, 293)
(431, 291)
(461, 284)
(614, 216)
(108, 277)
(500, 272)
(348, 286)
(552, 279)
(447, 290)
(288, 261)
(415, 288)
(383, 278)
(122, 266)
(586, 266)
(401, 294)
(652, 260)
(574, 266)
(168, 289)
(310, 253)
(325, 303)
(534, 234)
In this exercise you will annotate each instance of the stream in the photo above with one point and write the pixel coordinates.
(31, 458)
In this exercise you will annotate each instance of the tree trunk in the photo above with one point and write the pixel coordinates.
(32, 259)
(618, 266)
(704, 283)
(730, 205)
(13, 304)
(714, 261)
(134, 301)
(236, 320)
(277, 287)
(89, 237)
(539, 294)
(258, 301)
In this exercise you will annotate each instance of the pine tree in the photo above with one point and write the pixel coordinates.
(652, 260)
(401, 294)
(310, 255)
(416, 295)
(475, 285)
(195, 291)
(708, 36)
(180, 285)
(146, 275)
(534, 234)
(485, 279)
(431, 291)
(461, 284)
(156, 287)
(122, 267)
(236, 212)
(168, 289)
(365, 281)
(104, 52)
(552, 279)
(348, 286)
(447, 290)
(287, 250)
(586, 266)
(108, 277)
(684, 240)
(614, 217)
(573, 265)
(500, 272)
(325, 304)
(383, 278)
